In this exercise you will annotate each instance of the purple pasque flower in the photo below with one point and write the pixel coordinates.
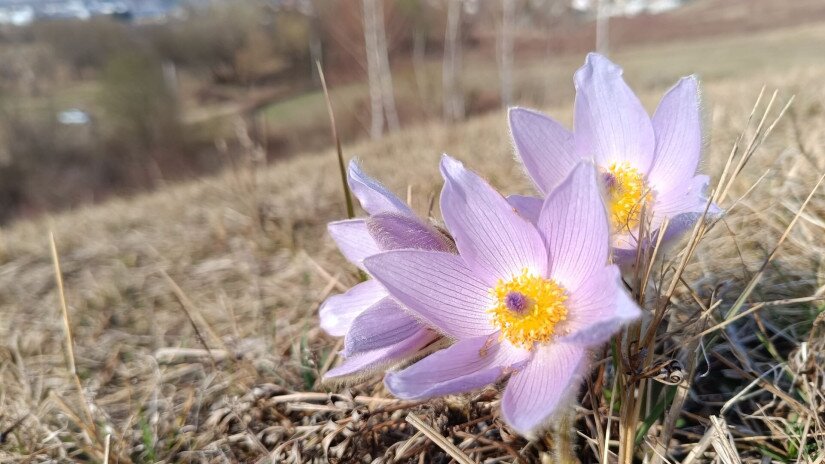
(521, 298)
(376, 330)
(640, 159)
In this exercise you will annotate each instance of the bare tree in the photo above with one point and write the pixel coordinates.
(505, 51)
(373, 70)
(382, 97)
(315, 46)
(387, 91)
(453, 96)
(602, 26)
(553, 13)
(419, 53)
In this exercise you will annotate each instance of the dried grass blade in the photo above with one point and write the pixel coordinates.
(758, 276)
(106, 448)
(190, 311)
(338, 149)
(89, 422)
(438, 439)
(722, 442)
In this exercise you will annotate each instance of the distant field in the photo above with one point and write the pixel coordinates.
(244, 257)
(719, 31)
(542, 79)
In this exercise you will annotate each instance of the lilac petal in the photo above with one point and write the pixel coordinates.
(354, 240)
(574, 223)
(598, 309)
(374, 360)
(624, 251)
(545, 147)
(527, 207)
(438, 287)
(678, 127)
(611, 123)
(494, 240)
(680, 224)
(338, 311)
(546, 382)
(684, 205)
(374, 197)
(382, 324)
(464, 366)
(685, 197)
(395, 232)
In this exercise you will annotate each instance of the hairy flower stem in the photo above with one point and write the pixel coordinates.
(563, 437)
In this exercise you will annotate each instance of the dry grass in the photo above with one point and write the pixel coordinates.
(193, 315)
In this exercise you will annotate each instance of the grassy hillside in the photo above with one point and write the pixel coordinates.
(239, 263)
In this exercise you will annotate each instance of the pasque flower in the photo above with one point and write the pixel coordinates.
(377, 332)
(640, 159)
(520, 298)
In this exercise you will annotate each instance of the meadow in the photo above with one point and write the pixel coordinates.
(181, 325)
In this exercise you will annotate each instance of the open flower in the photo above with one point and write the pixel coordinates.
(521, 298)
(377, 332)
(640, 160)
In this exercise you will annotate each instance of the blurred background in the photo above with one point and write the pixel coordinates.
(179, 151)
(105, 97)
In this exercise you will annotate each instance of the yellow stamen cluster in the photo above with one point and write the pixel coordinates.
(626, 192)
(540, 308)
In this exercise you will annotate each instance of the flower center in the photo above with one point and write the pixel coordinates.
(626, 192)
(528, 308)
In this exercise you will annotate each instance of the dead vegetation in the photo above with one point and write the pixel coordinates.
(190, 331)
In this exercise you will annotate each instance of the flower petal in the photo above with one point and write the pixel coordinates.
(338, 311)
(464, 366)
(611, 123)
(395, 232)
(438, 287)
(624, 251)
(574, 223)
(371, 361)
(354, 240)
(684, 205)
(382, 324)
(546, 382)
(682, 223)
(374, 197)
(686, 197)
(494, 240)
(545, 147)
(598, 309)
(527, 207)
(678, 127)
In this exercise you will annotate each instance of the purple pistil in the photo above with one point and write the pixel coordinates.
(610, 180)
(516, 302)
